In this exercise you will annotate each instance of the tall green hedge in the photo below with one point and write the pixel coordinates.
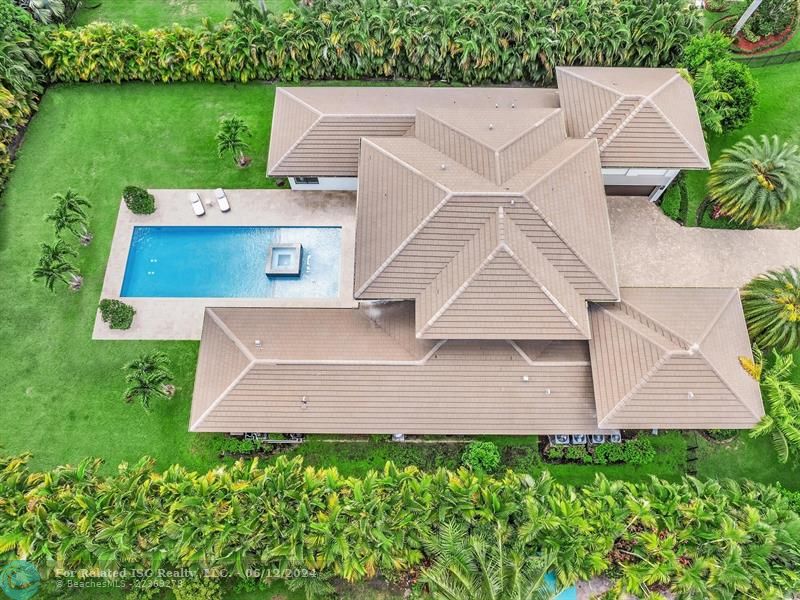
(20, 78)
(469, 41)
(735, 540)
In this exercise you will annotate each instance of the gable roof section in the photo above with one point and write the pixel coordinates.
(355, 375)
(669, 358)
(317, 130)
(640, 117)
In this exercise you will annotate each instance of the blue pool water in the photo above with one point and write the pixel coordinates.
(229, 262)
(569, 593)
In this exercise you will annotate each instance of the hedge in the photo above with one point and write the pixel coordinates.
(742, 539)
(20, 78)
(469, 41)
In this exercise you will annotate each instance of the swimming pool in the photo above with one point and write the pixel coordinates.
(229, 262)
(570, 593)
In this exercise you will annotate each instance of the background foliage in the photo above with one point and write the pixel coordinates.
(708, 539)
(469, 41)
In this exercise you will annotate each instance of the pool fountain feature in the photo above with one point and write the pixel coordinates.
(283, 259)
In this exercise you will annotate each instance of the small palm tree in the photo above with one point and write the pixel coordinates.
(230, 139)
(55, 266)
(756, 181)
(772, 309)
(148, 377)
(708, 97)
(70, 215)
(491, 565)
(782, 394)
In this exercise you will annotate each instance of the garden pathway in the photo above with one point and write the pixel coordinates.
(653, 250)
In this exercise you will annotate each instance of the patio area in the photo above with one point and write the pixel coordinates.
(182, 318)
(652, 250)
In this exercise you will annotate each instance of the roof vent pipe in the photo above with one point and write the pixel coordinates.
(259, 345)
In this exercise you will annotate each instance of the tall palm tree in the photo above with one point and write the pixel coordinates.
(755, 181)
(485, 566)
(771, 304)
(782, 394)
(148, 376)
(55, 266)
(70, 215)
(230, 138)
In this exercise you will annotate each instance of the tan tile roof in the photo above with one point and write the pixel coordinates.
(317, 130)
(363, 371)
(669, 358)
(495, 232)
(640, 117)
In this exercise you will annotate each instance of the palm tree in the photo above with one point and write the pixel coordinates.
(55, 266)
(755, 182)
(484, 566)
(230, 138)
(782, 394)
(70, 215)
(708, 97)
(771, 304)
(148, 377)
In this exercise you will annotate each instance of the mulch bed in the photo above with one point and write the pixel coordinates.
(744, 46)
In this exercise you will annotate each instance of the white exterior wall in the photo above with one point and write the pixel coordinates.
(660, 178)
(332, 184)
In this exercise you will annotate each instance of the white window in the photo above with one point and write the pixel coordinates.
(306, 180)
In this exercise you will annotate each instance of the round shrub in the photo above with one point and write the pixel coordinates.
(481, 456)
(117, 314)
(639, 451)
(772, 309)
(737, 80)
(607, 453)
(197, 589)
(139, 201)
(708, 47)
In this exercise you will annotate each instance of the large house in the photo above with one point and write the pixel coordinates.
(484, 270)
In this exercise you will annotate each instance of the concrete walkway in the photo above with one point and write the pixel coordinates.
(653, 250)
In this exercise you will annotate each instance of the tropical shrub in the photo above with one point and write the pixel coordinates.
(56, 266)
(69, 216)
(489, 563)
(721, 435)
(697, 539)
(470, 41)
(228, 445)
(639, 451)
(20, 78)
(771, 17)
(756, 181)
(607, 452)
(148, 377)
(50, 11)
(771, 304)
(577, 454)
(481, 456)
(782, 402)
(197, 589)
(230, 139)
(117, 314)
(138, 200)
(725, 90)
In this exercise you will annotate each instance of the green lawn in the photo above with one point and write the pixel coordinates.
(160, 13)
(776, 113)
(60, 392)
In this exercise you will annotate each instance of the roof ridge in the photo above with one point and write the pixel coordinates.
(555, 229)
(362, 314)
(671, 125)
(569, 71)
(221, 397)
(605, 117)
(639, 385)
(614, 134)
(657, 339)
(228, 332)
(304, 135)
(632, 305)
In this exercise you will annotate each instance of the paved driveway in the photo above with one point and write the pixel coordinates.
(652, 250)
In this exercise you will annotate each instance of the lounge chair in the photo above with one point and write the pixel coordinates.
(222, 200)
(197, 204)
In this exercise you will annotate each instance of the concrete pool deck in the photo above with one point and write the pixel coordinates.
(182, 318)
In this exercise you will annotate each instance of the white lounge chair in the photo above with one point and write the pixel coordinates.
(197, 204)
(222, 200)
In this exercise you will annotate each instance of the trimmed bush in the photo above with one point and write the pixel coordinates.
(709, 47)
(138, 200)
(736, 79)
(639, 451)
(607, 452)
(286, 515)
(469, 41)
(483, 457)
(117, 314)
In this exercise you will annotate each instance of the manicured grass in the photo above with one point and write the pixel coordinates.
(60, 392)
(160, 13)
(776, 113)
